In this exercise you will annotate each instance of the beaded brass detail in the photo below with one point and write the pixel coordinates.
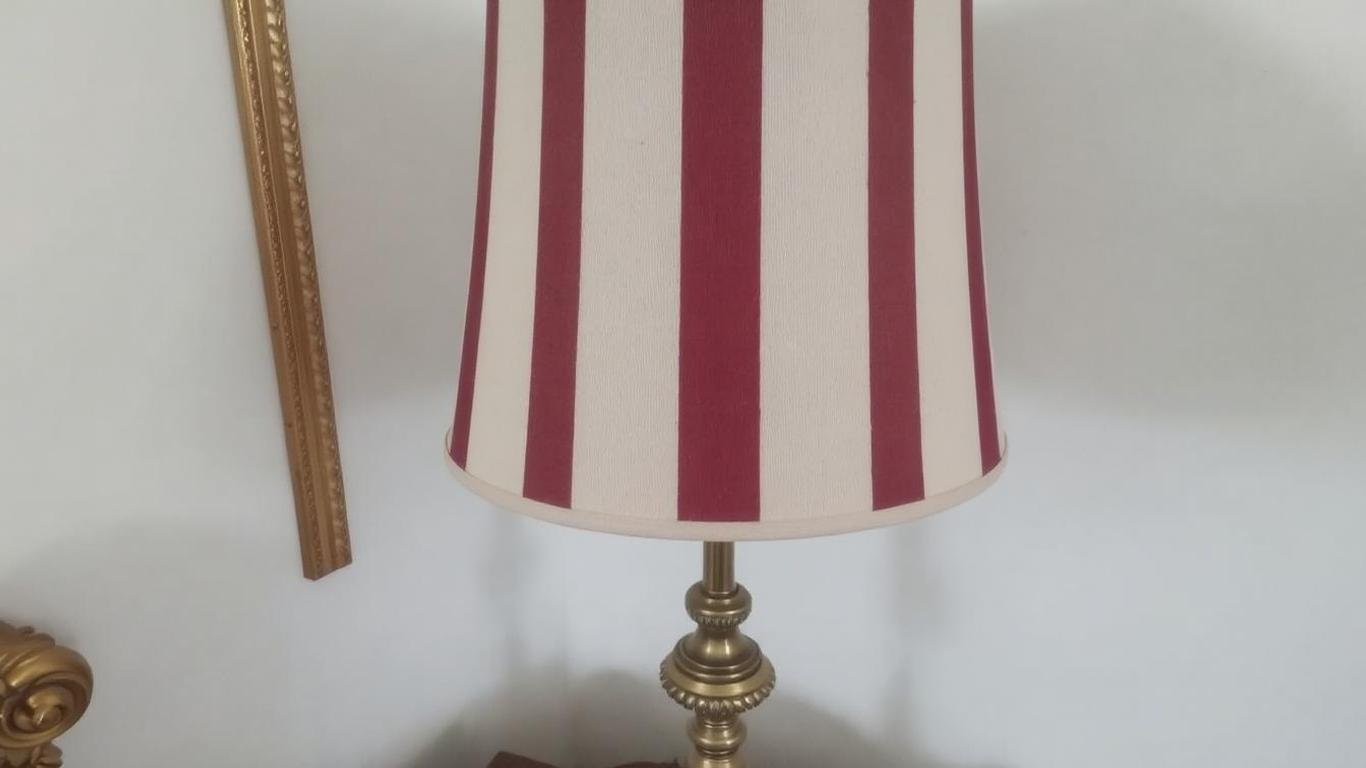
(723, 612)
(714, 707)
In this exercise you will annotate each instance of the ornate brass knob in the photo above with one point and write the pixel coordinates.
(44, 690)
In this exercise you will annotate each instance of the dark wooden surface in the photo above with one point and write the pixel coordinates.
(504, 760)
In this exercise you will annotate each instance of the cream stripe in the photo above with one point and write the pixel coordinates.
(948, 404)
(815, 457)
(502, 379)
(626, 404)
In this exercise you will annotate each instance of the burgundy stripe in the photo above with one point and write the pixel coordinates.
(977, 284)
(718, 403)
(474, 309)
(898, 471)
(554, 342)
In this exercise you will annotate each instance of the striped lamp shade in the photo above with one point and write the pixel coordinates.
(727, 277)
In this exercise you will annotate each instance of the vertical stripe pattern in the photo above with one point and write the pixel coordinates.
(948, 386)
(718, 403)
(728, 277)
(550, 417)
(988, 430)
(464, 398)
(814, 280)
(626, 404)
(897, 470)
(502, 378)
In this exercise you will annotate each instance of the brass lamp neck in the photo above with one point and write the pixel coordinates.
(718, 567)
(716, 671)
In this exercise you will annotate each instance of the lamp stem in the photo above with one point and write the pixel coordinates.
(716, 671)
(718, 567)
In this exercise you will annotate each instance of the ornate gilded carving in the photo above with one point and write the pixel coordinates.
(44, 690)
(284, 231)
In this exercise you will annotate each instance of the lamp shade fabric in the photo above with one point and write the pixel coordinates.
(727, 279)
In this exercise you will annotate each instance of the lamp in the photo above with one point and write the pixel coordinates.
(727, 285)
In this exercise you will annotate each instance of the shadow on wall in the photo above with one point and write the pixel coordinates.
(1173, 212)
(620, 719)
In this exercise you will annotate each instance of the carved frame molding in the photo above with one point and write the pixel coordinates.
(44, 690)
(284, 231)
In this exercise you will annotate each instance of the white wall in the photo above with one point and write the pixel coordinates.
(1170, 574)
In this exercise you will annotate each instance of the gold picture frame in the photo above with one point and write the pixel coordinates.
(284, 231)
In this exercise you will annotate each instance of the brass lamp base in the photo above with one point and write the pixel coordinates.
(717, 672)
